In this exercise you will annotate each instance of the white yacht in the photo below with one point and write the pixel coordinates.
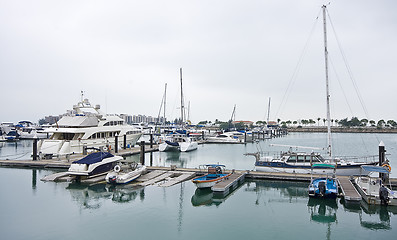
(92, 129)
(178, 142)
(227, 137)
(29, 130)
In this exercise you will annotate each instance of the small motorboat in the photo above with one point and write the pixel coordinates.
(324, 187)
(373, 189)
(93, 164)
(216, 173)
(125, 173)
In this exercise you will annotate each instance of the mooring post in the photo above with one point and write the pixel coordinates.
(125, 141)
(245, 136)
(35, 149)
(381, 156)
(142, 152)
(116, 144)
(151, 140)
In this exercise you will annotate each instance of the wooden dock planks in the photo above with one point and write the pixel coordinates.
(182, 177)
(348, 190)
(231, 181)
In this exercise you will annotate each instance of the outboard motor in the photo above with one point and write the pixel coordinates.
(112, 179)
(321, 188)
(383, 195)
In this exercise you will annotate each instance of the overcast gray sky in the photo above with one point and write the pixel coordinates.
(121, 53)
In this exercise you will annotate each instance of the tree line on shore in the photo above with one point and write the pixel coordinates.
(353, 122)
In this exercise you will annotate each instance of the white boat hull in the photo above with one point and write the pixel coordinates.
(351, 171)
(65, 147)
(369, 190)
(188, 146)
(124, 177)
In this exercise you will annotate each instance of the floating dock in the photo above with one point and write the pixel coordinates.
(349, 192)
(226, 185)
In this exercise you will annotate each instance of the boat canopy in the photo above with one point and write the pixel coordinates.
(375, 169)
(323, 165)
(94, 158)
(214, 165)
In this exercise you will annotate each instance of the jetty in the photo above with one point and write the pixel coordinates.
(169, 176)
(224, 187)
(349, 192)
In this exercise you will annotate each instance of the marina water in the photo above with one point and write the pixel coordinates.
(32, 209)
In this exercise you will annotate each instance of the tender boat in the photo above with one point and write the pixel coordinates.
(125, 173)
(215, 174)
(87, 128)
(373, 190)
(94, 164)
(324, 187)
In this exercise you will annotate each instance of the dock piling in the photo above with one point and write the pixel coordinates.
(116, 144)
(35, 149)
(142, 152)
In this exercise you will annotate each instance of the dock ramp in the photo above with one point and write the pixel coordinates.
(349, 192)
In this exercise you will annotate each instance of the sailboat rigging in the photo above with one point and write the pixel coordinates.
(301, 162)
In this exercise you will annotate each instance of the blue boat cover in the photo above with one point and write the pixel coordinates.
(175, 144)
(181, 131)
(375, 169)
(94, 158)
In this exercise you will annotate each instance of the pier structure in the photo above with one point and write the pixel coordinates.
(168, 176)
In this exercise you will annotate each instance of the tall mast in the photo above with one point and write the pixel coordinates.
(165, 100)
(182, 107)
(268, 112)
(327, 84)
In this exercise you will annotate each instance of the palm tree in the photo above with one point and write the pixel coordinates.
(364, 122)
(318, 121)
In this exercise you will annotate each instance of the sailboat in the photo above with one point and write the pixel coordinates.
(302, 162)
(180, 140)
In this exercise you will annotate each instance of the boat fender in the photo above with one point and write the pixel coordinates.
(387, 166)
(117, 168)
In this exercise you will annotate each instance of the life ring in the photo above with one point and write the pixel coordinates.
(105, 149)
(117, 168)
(387, 166)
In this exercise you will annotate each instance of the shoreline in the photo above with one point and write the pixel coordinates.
(342, 130)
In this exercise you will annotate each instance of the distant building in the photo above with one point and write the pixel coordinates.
(245, 123)
(52, 119)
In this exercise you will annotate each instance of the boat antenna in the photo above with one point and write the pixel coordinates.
(324, 7)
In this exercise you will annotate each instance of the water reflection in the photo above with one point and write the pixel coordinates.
(375, 217)
(91, 196)
(206, 197)
(180, 159)
(323, 211)
(285, 191)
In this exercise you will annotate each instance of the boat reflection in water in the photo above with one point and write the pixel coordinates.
(323, 211)
(207, 197)
(369, 212)
(92, 196)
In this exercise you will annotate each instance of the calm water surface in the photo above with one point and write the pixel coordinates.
(32, 209)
